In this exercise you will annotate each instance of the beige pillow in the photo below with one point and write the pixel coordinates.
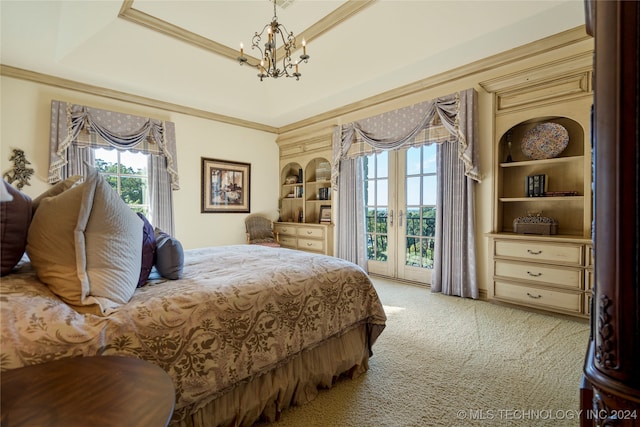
(58, 188)
(86, 245)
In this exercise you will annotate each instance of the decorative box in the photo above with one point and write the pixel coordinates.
(535, 224)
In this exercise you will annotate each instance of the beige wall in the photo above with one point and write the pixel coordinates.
(25, 121)
(528, 57)
(24, 124)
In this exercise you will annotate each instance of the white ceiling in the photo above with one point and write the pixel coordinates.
(387, 44)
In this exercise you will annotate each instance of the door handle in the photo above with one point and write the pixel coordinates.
(400, 218)
(391, 218)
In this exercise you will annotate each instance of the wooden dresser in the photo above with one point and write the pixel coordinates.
(316, 238)
(536, 272)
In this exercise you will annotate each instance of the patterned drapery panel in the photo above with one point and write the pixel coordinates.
(77, 128)
(86, 126)
(450, 119)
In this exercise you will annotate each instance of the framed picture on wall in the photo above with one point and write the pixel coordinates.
(225, 186)
(325, 214)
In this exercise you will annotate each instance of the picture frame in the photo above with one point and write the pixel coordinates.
(226, 186)
(325, 214)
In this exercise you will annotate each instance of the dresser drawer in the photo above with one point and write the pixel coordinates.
(542, 273)
(285, 229)
(538, 297)
(288, 241)
(317, 233)
(311, 245)
(562, 253)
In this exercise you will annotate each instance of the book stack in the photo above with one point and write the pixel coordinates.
(560, 193)
(536, 185)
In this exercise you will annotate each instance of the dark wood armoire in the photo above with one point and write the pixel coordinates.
(610, 394)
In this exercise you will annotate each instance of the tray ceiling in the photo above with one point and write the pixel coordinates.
(182, 51)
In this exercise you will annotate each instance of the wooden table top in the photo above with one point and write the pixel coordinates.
(87, 391)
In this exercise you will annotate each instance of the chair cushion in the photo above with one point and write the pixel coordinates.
(259, 228)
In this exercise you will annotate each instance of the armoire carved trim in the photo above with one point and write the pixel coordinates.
(605, 349)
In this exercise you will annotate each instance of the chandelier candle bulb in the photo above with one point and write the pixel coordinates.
(271, 57)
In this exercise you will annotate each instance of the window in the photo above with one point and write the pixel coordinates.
(127, 173)
(421, 192)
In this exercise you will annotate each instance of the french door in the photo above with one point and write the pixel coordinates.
(400, 202)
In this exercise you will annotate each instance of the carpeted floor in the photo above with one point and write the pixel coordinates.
(447, 361)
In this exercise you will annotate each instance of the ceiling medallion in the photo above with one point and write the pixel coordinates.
(268, 66)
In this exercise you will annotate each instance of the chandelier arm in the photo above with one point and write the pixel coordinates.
(268, 66)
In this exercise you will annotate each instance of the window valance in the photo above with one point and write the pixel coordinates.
(88, 126)
(448, 118)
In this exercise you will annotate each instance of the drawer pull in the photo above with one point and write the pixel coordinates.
(534, 252)
(309, 232)
(534, 274)
(534, 296)
(309, 244)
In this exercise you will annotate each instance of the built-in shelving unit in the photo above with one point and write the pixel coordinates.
(305, 193)
(545, 271)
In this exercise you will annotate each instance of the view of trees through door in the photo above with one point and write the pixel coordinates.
(400, 203)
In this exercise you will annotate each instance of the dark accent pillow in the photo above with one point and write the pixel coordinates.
(15, 218)
(148, 250)
(169, 255)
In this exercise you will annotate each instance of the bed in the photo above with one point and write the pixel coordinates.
(245, 333)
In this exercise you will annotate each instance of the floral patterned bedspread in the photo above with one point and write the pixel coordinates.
(238, 311)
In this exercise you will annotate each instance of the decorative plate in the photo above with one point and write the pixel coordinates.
(544, 141)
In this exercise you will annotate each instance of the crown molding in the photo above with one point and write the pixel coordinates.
(19, 73)
(342, 13)
(557, 41)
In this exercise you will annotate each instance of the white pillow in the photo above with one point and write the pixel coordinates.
(86, 245)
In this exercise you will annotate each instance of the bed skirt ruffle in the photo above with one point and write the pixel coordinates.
(295, 382)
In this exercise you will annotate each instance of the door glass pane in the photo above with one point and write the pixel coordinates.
(382, 165)
(413, 191)
(427, 253)
(413, 161)
(429, 190)
(429, 158)
(429, 221)
(382, 192)
(413, 254)
(377, 199)
(421, 191)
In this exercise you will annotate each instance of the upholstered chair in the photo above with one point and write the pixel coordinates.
(260, 231)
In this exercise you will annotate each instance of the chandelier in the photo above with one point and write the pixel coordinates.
(268, 66)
